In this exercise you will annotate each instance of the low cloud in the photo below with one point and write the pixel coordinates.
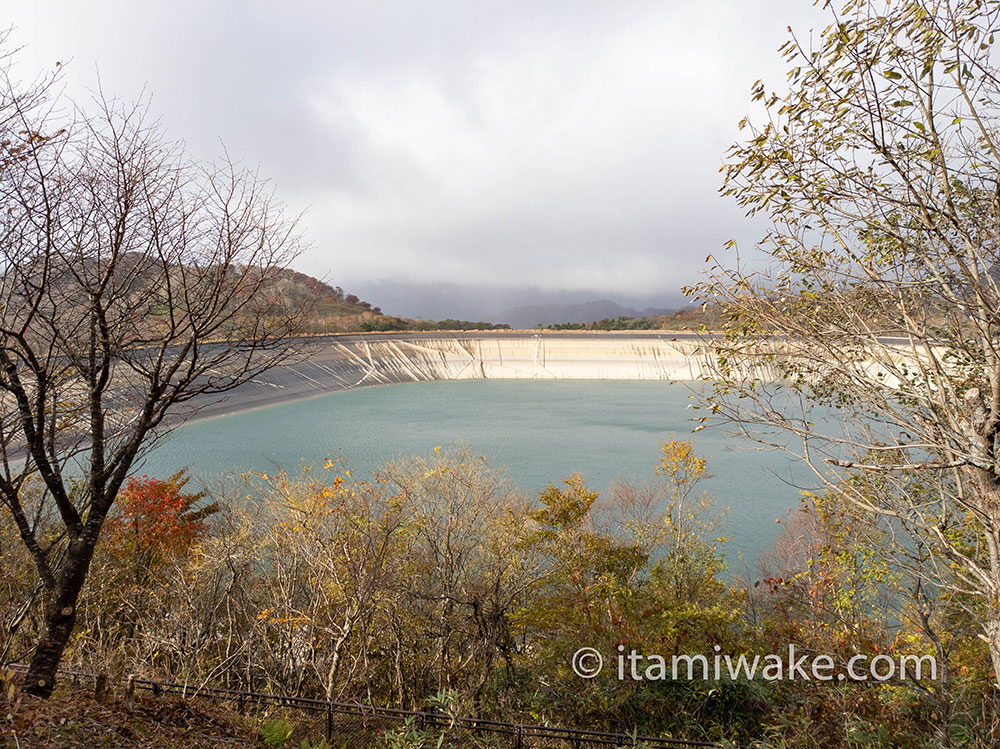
(570, 146)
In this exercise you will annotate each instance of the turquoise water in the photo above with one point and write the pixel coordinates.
(540, 431)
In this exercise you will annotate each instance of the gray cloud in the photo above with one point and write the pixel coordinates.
(560, 145)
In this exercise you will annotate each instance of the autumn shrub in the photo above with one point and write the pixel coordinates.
(129, 609)
(830, 586)
(436, 576)
(17, 594)
(155, 523)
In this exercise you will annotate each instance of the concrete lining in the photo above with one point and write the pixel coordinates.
(343, 362)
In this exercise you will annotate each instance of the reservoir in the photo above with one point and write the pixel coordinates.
(540, 431)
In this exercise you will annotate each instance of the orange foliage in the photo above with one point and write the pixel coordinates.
(156, 519)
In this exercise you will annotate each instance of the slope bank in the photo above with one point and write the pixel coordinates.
(342, 362)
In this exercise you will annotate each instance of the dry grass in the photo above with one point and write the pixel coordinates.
(75, 719)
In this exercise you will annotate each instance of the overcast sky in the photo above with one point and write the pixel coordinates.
(564, 145)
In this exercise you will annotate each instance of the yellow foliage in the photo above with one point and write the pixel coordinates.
(678, 462)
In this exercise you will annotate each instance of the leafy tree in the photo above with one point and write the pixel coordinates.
(155, 522)
(688, 605)
(588, 570)
(639, 569)
(867, 339)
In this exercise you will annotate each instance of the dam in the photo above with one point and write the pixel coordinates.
(544, 405)
(343, 362)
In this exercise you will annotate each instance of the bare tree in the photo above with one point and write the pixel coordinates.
(332, 549)
(471, 567)
(132, 281)
(878, 308)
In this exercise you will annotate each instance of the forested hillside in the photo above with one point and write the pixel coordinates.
(333, 310)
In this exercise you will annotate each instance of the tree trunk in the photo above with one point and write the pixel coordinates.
(992, 637)
(60, 619)
(48, 652)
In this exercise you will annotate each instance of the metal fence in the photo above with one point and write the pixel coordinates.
(357, 725)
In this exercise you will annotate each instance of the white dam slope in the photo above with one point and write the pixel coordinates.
(348, 361)
(506, 357)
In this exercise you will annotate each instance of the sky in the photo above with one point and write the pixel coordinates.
(453, 157)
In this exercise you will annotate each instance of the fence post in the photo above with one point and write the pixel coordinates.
(518, 738)
(329, 723)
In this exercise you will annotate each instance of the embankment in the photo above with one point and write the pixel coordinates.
(348, 361)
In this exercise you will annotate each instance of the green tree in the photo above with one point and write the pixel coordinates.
(640, 569)
(865, 336)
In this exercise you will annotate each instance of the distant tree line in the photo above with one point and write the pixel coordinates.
(611, 323)
(387, 322)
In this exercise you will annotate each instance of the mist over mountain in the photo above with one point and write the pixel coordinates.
(522, 305)
(532, 315)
